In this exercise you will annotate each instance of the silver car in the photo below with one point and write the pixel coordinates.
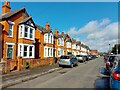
(67, 60)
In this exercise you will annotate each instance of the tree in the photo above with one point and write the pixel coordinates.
(115, 48)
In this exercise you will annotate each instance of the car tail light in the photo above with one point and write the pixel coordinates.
(116, 75)
(68, 57)
(107, 63)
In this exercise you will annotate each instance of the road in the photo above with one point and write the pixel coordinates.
(83, 76)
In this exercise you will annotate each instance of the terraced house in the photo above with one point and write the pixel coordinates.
(18, 33)
(44, 41)
(67, 43)
(73, 46)
(21, 37)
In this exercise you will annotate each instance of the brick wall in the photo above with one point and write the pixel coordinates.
(9, 65)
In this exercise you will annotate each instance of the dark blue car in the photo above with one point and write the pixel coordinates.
(115, 74)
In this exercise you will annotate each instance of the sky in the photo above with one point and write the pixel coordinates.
(93, 23)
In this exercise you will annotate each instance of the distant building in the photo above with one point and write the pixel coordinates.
(94, 52)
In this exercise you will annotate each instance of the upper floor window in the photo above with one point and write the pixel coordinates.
(10, 30)
(59, 41)
(62, 42)
(48, 38)
(31, 33)
(26, 32)
(45, 38)
(51, 39)
(21, 32)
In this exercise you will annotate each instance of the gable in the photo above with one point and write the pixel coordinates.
(28, 21)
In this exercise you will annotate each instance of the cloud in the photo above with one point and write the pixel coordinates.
(99, 34)
(92, 26)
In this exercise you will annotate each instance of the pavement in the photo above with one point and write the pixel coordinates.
(16, 77)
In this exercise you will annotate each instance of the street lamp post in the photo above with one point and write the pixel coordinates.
(109, 48)
(117, 48)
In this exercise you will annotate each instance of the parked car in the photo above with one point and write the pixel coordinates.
(115, 74)
(90, 57)
(68, 60)
(109, 62)
(80, 58)
(85, 57)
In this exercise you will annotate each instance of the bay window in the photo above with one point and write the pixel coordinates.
(48, 51)
(26, 32)
(26, 50)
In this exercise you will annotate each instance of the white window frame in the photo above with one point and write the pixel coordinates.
(28, 33)
(59, 41)
(46, 38)
(28, 52)
(10, 23)
(49, 52)
(21, 31)
(9, 43)
(62, 42)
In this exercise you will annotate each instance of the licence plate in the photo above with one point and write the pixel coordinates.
(63, 62)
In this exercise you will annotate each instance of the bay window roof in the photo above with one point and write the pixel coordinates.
(28, 21)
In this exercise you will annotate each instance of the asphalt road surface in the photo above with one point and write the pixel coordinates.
(82, 76)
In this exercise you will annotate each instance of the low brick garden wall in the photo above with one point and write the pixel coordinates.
(8, 65)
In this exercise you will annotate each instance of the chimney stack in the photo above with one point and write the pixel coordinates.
(62, 33)
(47, 26)
(6, 7)
(56, 32)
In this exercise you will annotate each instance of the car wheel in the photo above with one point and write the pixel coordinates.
(71, 65)
(60, 65)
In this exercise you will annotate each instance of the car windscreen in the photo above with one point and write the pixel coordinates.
(65, 57)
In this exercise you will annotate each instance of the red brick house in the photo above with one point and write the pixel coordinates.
(59, 44)
(18, 34)
(44, 41)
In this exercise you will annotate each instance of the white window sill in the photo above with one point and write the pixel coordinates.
(10, 36)
(27, 38)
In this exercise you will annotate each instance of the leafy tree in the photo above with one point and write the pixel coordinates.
(114, 49)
